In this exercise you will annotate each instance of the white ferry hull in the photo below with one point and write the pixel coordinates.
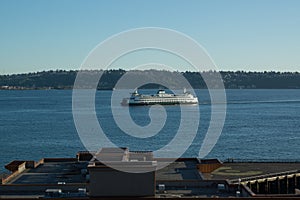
(160, 98)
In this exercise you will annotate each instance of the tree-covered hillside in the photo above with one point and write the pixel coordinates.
(61, 79)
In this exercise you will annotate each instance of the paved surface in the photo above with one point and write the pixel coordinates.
(70, 172)
(241, 170)
(185, 170)
(52, 173)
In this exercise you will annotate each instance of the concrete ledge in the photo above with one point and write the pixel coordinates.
(38, 188)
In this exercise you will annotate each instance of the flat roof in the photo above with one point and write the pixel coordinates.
(242, 170)
(179, 170)
(185, 171)
(52, 173)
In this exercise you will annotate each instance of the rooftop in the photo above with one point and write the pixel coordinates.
(186, 177)
(242, 170)
(180, 170)
(51, 173)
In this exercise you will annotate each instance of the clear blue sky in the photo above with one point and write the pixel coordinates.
(247, 35)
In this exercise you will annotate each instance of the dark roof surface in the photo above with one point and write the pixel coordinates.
(242, 170)
(52, 173)
(179, 170)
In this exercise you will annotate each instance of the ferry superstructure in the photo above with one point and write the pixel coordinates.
(161, 98)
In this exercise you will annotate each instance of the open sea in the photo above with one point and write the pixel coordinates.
(260, 125)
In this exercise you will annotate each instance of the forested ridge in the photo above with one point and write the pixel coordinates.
(61, 79)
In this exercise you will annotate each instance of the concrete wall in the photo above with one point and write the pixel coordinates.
(110, 182)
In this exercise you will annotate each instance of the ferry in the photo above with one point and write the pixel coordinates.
(161, 98)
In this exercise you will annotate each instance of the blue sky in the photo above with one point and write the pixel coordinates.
(245, 35)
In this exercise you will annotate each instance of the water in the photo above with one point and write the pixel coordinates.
(260, 124)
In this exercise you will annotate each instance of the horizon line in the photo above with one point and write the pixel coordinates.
(76, 70)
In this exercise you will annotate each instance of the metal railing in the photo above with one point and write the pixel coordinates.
(265, 176)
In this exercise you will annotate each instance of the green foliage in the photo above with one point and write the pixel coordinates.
(61, 79)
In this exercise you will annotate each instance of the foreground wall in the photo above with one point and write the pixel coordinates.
(109, 182)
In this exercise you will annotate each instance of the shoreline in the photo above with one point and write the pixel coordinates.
(22, 88)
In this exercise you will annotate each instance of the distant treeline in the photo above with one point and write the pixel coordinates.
(61, 79)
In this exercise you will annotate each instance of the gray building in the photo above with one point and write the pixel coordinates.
(118, 172)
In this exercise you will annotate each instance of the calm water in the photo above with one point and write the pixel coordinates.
(260, 124)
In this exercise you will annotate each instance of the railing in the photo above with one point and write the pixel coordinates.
(286, 173)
